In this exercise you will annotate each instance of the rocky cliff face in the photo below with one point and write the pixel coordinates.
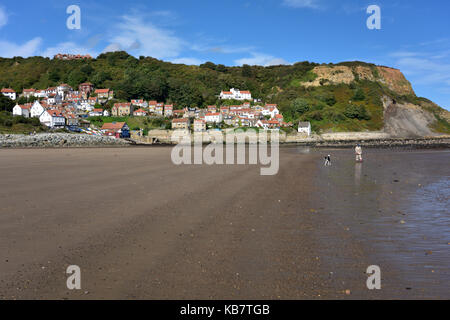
(406, 119)
(392, 78)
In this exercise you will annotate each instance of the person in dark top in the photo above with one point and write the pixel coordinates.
(328, 160)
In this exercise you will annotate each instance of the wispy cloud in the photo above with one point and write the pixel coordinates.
(10, 49)
(188, 61)
(314, 4)
(67, 47)
(222, 49)
(425, 70)
(3, 17)
(136, 34)
(261, 59)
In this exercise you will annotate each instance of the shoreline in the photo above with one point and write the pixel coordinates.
(68, 140)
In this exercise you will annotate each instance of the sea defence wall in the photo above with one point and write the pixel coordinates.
(58, 140)
(156, 137)
(341, 139)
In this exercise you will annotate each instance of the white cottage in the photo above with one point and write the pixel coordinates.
(36, 110)
(213, 117)
(236, 94)
(22, 110)
(52, 119)
(10, 93)
(304, 127)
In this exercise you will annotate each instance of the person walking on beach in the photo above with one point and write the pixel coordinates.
(358, 152)
(328, 160)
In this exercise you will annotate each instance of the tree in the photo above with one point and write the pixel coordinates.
(87, 69)
(208, 65)
(300, 106)
(54, 76)
(6, 104)
(359, 95)
(76, 77)
(356, 112)
(23, 100)
(247, 71)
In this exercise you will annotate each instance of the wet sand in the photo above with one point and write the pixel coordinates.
(140, 227)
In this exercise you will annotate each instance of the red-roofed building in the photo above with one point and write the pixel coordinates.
(211, 109)
(199, 125)
(140, 113)
(178, 113)
(116, 129)
(122, 109)
(104, 95)
(213, 117)
(52, 118)
(268, 124)
(180, 123)
(85, 89)
(28, 93)
(96, 113)
(10, 93)
(236, 94)
(168, 110)
(22, 110)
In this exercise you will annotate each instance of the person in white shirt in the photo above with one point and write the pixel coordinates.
(358, 152)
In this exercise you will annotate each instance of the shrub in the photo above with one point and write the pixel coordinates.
(356, 112)
(359, 95)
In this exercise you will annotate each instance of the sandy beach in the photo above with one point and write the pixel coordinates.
(140, 227)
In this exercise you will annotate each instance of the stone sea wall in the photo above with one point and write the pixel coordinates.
(58, 140)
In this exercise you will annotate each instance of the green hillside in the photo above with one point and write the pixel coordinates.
(329, 106)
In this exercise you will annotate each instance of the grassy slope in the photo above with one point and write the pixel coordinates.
(10, 124)
(134, 123)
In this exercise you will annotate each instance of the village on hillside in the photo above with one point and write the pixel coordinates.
(63, 107)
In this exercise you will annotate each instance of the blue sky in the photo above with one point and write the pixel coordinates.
(414, 35)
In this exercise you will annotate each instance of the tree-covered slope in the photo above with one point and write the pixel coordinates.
(342, 97)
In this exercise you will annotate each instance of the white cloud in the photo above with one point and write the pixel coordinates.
(424, 68)
(10, 49)
(188, 61)
(66, 47)
(112, 48)
(404, 54)
(141, 37)
(261, 60)
(427, 70)
(314, 4)
(3, 17)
